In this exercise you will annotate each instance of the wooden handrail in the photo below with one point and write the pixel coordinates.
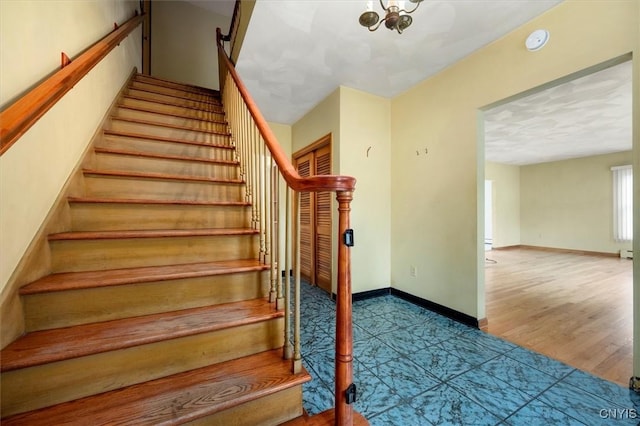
(16, 119)
(294, 180)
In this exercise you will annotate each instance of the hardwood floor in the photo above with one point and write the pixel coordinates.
(575, 308)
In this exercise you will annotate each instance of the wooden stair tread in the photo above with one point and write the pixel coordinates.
(98, 200)
(176, 399)
(101, 150)
(158, 101)
(150, 111)
(118, 133)
(47, 346)
(174, 84)
(149, 233)
(164, 176)
(171, 126)
(210, 103)
(92, 279)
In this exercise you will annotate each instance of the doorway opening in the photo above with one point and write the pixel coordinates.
(559, 282)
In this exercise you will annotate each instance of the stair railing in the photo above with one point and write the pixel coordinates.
(263, 166)
(18, 117)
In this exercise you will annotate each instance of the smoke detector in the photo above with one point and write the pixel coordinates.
(537, 40)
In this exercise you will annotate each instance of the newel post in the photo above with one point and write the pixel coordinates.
(344, 330)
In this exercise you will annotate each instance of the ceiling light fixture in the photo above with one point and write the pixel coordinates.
(396, 17)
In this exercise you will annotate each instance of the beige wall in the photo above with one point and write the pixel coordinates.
(34, 170)
(365, 150)
(282, 133)
(183, 42)
(359, 122)
(435, 218)
(568, 204)
(505, 203)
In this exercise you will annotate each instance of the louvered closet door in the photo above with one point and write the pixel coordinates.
(305, 166)
(323, 222)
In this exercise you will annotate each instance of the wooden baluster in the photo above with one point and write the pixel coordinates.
(344, 329)
(266, 201)
(263, 199)
(297, 356)
(277, 231)
(255, 179)
(273, 232)
(288, 348)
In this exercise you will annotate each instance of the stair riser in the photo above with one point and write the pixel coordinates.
(171, 119)
(66, 308)
(170, 109)
(201, 97)
(179, 86)
(270, 410)
(153, 189)
(89, 255)
(168, 132)
(168, 148)
(108, 161)
(42, 386)
(174, 101)
(121, 217)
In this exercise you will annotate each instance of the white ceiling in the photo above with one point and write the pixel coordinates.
(587, 116)
(295, 53)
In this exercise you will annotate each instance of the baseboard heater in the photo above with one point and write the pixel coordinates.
(626, 254)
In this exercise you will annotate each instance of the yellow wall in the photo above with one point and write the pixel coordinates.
(183, 46)
(435, 216)
(358, 121)
(505, 203)
(365, 150)
(568, 204)
(283, 135)
(34, 170)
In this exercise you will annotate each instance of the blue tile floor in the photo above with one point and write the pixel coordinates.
(415, 367)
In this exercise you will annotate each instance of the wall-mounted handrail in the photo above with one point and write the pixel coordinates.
(17, 118)
(310, 184)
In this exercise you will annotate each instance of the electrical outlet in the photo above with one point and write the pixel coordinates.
(413, 271)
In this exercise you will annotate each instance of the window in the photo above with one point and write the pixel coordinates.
(622, 203)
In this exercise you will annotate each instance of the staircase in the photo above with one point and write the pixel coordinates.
(157, 308)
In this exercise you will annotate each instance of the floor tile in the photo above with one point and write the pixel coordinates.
(492, 342)
(373, 395)
(405, 377)
(491, 393)
(372, 352)
(516, 374)
(440, 363)
(469, 350)
(540, 362)
(582, 405)
(444, 405)
(609, 391)
(399, 415)
(538, 413)
(316, 397)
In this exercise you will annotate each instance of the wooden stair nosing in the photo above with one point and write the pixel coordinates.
(213, 103)
(46, 346)
(175, 84)
(118, 133)
(157, 101)
(102, 150)
(184, 88)
(170, 126)
(149, 111)
(106, 278)
(150, 233)
(325, 418)
(99, 200)
(161, 176)
(205, 391)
